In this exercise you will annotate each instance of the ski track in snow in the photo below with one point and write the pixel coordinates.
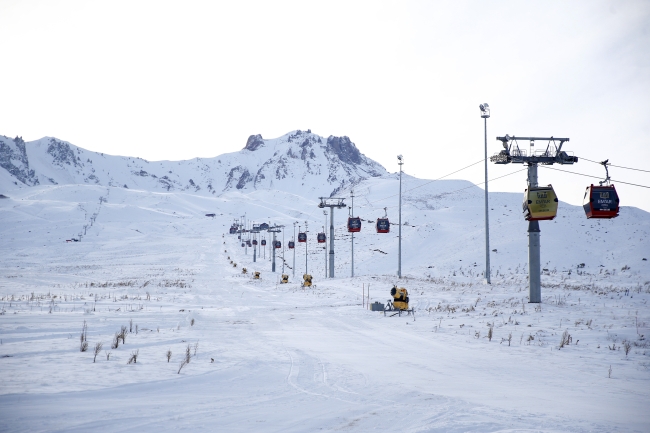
(299, 360)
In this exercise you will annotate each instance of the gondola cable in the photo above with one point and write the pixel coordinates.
(617, 166)
(595, 177)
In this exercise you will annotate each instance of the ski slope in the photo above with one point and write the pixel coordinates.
(270, 357)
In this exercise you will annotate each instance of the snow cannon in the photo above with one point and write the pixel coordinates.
(244, 271)
(306, 280)
(285, 279)
(234, 265)
(256, 275)
(400, 298)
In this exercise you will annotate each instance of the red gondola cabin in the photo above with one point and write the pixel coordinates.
(302, 237)
(383, 225)
(321, 238)
(354, 224)
(601, 202)
(292, 245)
(263, 242)
(278, 244)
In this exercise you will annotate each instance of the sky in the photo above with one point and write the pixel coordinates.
(177, 80)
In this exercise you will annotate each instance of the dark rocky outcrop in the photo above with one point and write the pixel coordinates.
(344, 148)
(254, 142)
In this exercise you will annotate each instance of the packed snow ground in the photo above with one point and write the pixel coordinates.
(272, 357)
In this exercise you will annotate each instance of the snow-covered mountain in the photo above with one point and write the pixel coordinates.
(299, 162)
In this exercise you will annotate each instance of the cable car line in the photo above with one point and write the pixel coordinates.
(617, 166)
(426, 183)
(597, 177)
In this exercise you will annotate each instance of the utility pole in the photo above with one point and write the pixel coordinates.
(485, 114)
(399, 248)
(255, 231)
(552, 155)
(294, 248)
(242, 234)
(352, 210)
(331, 203)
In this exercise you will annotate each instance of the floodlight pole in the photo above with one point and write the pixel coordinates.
(325, 246)
(331, 202)
(352, 210)
(399, 248)
(283, 247)
(294, 248)
(306, 242)
(485, 113)
(331, 242)
(548, 157)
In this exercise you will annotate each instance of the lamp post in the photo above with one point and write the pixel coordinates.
(325, 213)
(399, 249)
(294, 248)
(485, 113)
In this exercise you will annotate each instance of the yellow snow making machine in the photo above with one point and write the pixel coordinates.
(400, 302)
(306, 280)
(244, 271)
(256, 275)
(285, 279)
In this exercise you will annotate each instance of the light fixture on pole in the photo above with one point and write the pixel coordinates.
(399, 249)
(485, 113)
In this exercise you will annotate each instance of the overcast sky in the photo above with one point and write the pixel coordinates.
(177, 80)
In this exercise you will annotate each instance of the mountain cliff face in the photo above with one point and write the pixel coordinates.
(299, 162)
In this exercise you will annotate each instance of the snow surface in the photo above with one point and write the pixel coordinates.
(274, 357)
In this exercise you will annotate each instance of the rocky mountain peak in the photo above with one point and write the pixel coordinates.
(254, 142)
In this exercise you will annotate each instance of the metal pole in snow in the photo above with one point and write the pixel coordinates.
(534, 265)
(331, 242)
(283, 249)
(294, 248)
(399, 249)
(487, 221)
(352, 275)
(306, 242)
(273, 246)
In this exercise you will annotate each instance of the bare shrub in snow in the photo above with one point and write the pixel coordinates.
(192, 322)
(131, 325)
(98, 348)
(188, 354)
(489, 336)
(627, 346)
(183, 364)
(134, 357)
(108, 355)
(168, 355)
(609, 372)
(83, 338)
(116, 341)
(566, 339)
(196, 347)
(123, 334)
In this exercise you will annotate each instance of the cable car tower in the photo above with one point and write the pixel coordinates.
(331, 203)
(274, 229)
(540, 203)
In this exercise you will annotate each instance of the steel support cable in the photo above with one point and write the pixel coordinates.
(472, 185)
(617, 166)
(595, 177)
(424, 184)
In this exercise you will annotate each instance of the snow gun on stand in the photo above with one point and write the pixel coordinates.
(399, 303)
(285, 279)
(256, 275)
(306, 280)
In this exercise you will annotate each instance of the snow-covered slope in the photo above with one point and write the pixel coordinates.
(299, 162)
